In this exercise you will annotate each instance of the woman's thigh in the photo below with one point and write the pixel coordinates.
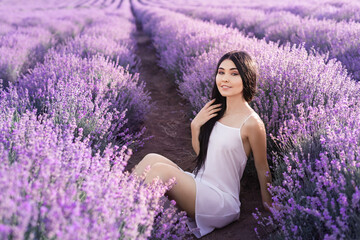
(184, 190)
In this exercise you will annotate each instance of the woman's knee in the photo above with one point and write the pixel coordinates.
(162, 170)
(151, 155)
(153, 158)
(150, 159)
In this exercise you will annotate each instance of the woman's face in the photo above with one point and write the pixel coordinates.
(228, 79)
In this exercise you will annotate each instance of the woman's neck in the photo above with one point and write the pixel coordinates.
(236, 105)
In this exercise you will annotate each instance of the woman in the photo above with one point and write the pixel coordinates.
(224, 133)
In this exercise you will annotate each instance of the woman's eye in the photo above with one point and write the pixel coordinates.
(234, 74)
(220, 73)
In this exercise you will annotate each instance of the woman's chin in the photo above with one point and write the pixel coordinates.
(225, 94)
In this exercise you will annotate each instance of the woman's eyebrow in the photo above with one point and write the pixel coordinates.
(230, 68)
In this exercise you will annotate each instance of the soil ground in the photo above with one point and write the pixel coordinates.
(169, 124)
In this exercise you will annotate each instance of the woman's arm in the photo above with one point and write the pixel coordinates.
(257, 139)
(195, 131)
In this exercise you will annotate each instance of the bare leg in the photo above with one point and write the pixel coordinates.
(183, 192)
(151, 159)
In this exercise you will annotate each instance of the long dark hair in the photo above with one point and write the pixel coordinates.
(248, 72)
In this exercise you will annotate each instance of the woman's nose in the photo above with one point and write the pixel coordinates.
(225, 78)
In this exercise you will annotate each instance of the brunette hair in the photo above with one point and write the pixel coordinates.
(248, 73)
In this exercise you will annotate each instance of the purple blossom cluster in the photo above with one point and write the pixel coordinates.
(95, 93)
(35, 5)
(108, 35)
(68, 126)
(54, 187)
(26, 36)
(338, 39)
(339, 10)
(310, 107)
(317, 181)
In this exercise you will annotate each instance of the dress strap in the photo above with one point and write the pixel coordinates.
(246, 119)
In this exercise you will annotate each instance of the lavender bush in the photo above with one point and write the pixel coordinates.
(53, 187)
(339, 39)
(317, 181)
(27, 41)
(20, 50)
(339, 11)
(92, 92)
(109, 36)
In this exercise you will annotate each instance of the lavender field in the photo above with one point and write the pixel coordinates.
(74, 105)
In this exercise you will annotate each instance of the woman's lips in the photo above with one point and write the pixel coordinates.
(225, 87)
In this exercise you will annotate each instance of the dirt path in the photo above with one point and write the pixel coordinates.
(169, 123)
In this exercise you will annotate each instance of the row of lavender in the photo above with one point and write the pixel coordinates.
(340, 10)
(103, 4)
(310, 108)
(25, 41)
(69, 52)
(339, 40)
(25, 5)
(68, 127)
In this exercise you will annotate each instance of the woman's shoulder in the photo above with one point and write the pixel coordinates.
(254, 123)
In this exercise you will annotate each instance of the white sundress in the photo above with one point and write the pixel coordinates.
(218, 182)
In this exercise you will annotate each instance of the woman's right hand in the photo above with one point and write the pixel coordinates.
(207, 112)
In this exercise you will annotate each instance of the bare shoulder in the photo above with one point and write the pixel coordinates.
(254, 125)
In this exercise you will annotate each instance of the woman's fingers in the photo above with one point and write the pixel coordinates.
(207, 112)
(215, 105)
(210, 102)
(214, 110)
